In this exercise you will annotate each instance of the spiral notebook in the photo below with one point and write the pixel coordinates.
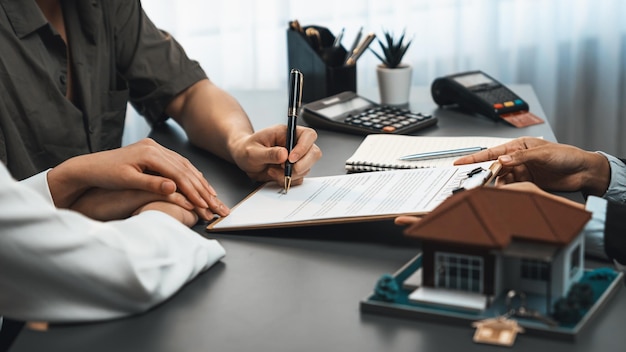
(380, 152)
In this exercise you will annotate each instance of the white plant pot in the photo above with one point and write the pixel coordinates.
(394, 84)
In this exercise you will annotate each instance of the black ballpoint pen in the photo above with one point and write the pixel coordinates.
(295, 99)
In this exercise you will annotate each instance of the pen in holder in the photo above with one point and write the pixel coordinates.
(310, 49)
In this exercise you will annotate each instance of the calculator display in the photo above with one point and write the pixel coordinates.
(335, 111)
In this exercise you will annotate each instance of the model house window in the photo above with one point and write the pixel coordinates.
(459, 272)
(574, 261)
(534, 270)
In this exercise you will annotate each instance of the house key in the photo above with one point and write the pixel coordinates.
(522, 312)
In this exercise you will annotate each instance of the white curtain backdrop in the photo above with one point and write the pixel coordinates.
(573, 52)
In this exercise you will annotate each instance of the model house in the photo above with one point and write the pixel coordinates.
(481, 243)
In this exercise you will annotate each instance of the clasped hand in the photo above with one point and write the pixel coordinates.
(118, 183)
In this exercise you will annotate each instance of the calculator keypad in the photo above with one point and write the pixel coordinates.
(389, 119)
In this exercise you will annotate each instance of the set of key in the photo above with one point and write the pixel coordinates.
(521, 311)
(503, 329)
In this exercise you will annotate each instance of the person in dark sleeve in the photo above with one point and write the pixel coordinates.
(559, 167)
(69, 68)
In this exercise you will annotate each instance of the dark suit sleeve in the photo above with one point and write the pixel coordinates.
(615, 232)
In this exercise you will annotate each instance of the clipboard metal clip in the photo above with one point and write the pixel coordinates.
(478, 177)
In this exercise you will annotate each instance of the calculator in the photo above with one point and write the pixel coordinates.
(477, 92)
(348, 112)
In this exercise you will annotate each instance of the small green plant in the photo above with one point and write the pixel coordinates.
(393, 50)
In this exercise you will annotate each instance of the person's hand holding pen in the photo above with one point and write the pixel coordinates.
(264, 155)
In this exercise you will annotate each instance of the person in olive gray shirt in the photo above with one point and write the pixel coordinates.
(69, 68)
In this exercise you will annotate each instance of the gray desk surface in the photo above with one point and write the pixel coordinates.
(299, 289)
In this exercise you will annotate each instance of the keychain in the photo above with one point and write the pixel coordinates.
(503, 330)
(497, 331)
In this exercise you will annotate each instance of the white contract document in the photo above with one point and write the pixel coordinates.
(349, 197)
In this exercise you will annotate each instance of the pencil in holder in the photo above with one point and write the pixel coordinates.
(310, 49)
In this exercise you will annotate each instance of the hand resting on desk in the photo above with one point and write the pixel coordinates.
(551, 166)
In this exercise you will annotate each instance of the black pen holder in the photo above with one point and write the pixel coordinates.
(321, 63)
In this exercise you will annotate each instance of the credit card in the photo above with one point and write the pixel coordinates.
(522, 118)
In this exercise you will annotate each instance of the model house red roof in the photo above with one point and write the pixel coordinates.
(492, 217)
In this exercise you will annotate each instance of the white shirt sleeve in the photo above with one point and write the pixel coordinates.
(60, 266)
(39, 184)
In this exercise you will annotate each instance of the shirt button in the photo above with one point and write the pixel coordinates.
(62, 79)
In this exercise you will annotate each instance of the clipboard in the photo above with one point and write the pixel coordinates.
(214, 227)
(356, 197)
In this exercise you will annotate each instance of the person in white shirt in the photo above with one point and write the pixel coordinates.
(58, 265)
